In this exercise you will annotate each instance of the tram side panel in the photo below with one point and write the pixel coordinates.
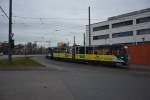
(81, 56)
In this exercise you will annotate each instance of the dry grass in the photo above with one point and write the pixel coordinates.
(19, 63)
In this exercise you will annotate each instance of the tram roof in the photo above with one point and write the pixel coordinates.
(115, 45)
(96, 46)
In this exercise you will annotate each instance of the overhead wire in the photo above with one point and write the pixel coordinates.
(41, 20)
(44, 20)
(47, 18)
(3, 11)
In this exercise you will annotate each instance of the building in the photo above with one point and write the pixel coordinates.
(4, 47)
(127, 28)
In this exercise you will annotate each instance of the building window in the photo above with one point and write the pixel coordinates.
(122, 34)
(121, 24)
(101, 28)
(143, 31)
(143, 20)
(101, 37)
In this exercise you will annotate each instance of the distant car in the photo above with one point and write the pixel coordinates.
(1, 54)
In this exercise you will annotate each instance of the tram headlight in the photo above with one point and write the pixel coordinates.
(126, 47)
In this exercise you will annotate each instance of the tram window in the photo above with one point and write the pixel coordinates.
(66, 51)
(77, 50)
(103, 51)
(82, 50)
(95, 52)
(119, 52)
(70, 50)
(89, 50)
(106, 51)
(100, 52)
(123, 51)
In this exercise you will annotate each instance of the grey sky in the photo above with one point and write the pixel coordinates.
(66, 17)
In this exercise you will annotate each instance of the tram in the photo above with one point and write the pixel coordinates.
(108, 54)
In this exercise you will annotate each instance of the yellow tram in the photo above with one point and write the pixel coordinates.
(112, 54)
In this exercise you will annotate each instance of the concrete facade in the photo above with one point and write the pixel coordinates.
(139, 20)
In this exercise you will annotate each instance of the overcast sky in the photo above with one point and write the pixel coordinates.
(60, 20)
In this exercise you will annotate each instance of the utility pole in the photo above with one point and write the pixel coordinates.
(74, 40)
(10, 31)
(74, 49)
(89, 27)
(84, 39)
(84, 43)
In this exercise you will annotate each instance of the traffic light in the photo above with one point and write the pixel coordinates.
(12, 44)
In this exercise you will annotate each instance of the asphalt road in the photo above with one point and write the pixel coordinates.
(72, 81)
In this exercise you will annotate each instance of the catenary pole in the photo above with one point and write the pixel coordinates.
(84, 43)
(74, 41)
(10, 31)
(89, 27)
(84, 39)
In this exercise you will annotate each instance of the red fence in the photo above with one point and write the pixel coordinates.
(139, 54)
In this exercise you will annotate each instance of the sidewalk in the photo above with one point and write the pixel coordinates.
(140, 70)
(135, 67)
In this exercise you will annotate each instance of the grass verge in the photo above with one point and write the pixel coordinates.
(19, 63)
